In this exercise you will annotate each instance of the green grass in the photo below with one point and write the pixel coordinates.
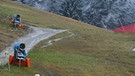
(91, 51)
(59, 58)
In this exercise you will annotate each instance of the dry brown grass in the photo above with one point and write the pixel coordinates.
(8, 34)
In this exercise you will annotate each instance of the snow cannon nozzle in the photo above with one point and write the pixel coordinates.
(22, 46)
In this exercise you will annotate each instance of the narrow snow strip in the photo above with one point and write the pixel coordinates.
(50, 42)
(30, 41)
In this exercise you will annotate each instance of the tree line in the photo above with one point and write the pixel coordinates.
(107, 14)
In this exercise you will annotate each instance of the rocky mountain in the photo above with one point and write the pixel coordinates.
(107, 14)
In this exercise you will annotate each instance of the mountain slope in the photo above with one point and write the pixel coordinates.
(91, 51)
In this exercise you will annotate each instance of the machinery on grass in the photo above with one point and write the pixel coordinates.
(16, 22)
(19, 57)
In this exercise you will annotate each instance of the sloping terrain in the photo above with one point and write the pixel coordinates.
(91, 51)
(8, 34)
(31, 39)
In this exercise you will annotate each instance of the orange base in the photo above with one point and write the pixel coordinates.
(19, 26)
(25, 62)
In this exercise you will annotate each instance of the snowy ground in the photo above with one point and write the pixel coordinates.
(30, 40)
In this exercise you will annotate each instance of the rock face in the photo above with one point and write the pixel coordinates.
(107, 14)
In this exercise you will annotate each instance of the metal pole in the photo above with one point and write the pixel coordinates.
(19, 62)
(122, 26)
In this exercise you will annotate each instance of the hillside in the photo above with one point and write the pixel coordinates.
(91, 51)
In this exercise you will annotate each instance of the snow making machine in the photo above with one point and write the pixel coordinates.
(19, 57)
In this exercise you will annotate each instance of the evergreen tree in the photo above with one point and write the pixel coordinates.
(54, 6)
(71, 8)
(98, 11)
(110, 13)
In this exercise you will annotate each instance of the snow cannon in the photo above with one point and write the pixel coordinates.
(22, 46)
(19, 57)
(12, 24)
(18, 62)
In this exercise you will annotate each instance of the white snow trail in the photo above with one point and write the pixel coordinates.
(30, 41)
(50, 42)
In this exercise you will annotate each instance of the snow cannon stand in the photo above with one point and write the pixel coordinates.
(19, 62)
(21, 25)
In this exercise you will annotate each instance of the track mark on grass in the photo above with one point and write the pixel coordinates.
(50, 42)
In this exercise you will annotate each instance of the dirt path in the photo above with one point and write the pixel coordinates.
(30, 40)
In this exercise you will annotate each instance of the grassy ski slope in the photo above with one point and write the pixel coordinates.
(91, 51)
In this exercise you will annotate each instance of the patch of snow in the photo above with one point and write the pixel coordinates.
(133, 49)
(50, 42)
(30, 41)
